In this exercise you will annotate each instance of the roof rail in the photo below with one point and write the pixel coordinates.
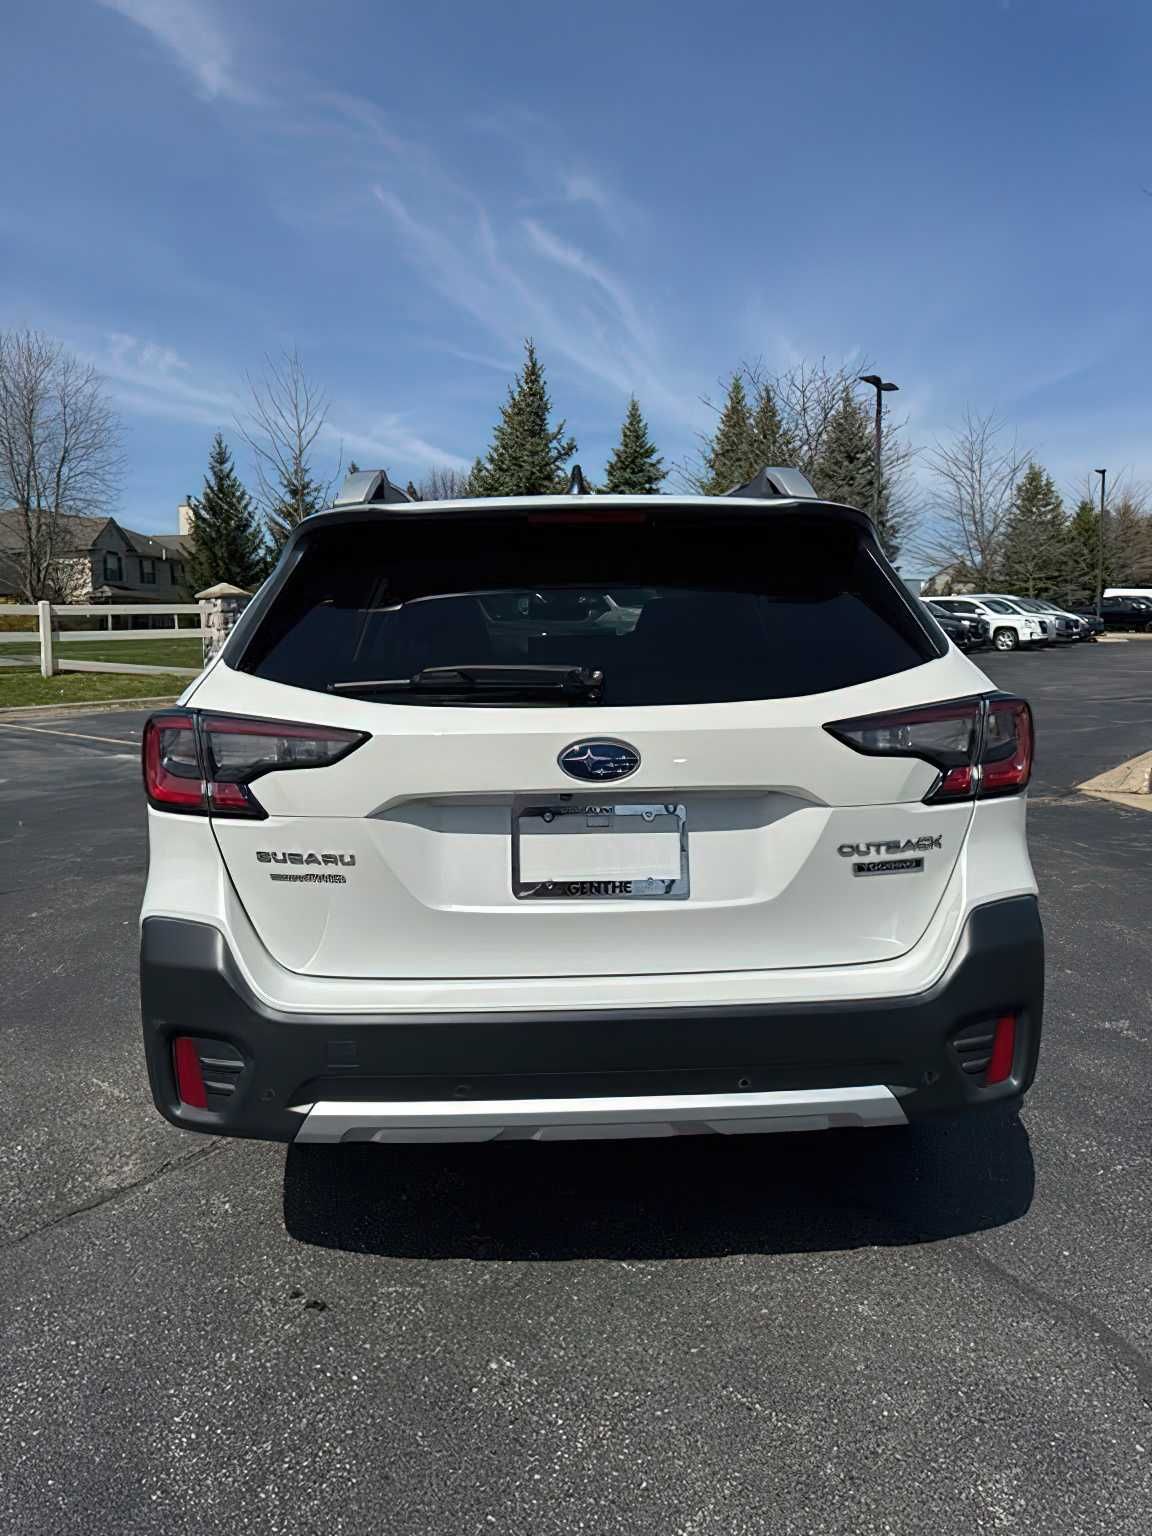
(366, 487)
(769, 482)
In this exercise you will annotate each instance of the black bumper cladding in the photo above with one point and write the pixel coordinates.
(916, 1046)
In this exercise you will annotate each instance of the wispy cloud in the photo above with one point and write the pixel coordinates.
(579, 187)
(618, 214)
(388, 441)
(506, 365)
(524, 279)
(194, 35)
(149, 379)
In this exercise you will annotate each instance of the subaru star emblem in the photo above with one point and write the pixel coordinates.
(599, 760)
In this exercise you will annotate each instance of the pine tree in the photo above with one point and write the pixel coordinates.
(477, 482)
(1034, 553)
(528, 453)
(226, 541)
(1082, 547)
(298, 497)
(635, 468)
(770, 443)
(727, 454)
(844, 471)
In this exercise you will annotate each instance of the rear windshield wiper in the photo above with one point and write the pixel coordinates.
(515, 679)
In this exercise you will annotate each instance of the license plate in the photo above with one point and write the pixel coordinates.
(577, 850)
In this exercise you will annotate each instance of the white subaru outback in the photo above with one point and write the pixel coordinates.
(577, 817)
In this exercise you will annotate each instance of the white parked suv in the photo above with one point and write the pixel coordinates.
(436, 854)
(1008, 626)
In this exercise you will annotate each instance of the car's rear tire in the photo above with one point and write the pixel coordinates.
(1005, 639)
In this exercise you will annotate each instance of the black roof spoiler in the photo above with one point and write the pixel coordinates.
(778, 481)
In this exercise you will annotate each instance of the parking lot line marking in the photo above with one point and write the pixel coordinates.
(42, 730)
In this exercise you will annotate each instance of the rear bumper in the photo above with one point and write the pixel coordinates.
(481, 1075)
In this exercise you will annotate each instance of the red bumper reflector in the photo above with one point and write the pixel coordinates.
(189, 1077)
(1003, 1050)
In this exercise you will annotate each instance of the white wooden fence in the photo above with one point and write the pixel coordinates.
(48, 634)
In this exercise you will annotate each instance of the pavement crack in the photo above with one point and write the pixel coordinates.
(1122, 1350)
(172, 1165)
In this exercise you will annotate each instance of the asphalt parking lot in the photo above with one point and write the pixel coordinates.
(946, 1331)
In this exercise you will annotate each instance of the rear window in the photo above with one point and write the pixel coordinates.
(671, 611)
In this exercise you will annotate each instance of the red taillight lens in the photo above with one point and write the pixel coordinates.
(1003, 1051)
(173, 779)
(205, 763)
(1006, 758)
(189, 1073)
(981, 746)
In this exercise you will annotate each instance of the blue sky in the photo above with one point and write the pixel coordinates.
(654, 191)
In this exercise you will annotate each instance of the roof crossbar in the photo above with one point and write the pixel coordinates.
(776, 481)
(366, 487)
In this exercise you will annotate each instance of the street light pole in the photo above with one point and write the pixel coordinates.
(880, 386)
(1103, 473)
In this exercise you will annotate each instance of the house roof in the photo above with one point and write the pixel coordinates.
(157, 546)
(84, 531)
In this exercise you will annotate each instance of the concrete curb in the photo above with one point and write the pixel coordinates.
(1127, 784)
(92, 707)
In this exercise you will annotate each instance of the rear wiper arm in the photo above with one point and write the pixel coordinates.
(487, 677)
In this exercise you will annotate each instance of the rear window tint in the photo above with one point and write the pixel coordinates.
(672, 611)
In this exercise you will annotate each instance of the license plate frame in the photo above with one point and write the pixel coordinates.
(603, 817)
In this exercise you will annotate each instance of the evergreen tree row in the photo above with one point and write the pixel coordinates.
(812, 418)
(1045, 552)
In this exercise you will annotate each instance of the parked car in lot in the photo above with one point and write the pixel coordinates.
(1083, 630)
(1015, 604)
(1093, 625)
(1133, 614)
(1068, 628)
(423, 869)
(1008, 627)
(963, 629)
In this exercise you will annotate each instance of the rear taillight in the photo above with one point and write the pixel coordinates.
(1006, 761)
(203, 764)
(981, 746)
(173, 777)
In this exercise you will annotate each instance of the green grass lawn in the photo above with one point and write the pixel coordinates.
(151, 653)
(20, 687)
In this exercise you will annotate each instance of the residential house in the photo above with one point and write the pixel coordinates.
(103, 562)
(953, 580)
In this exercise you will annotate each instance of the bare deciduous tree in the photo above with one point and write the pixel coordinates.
(1127, 528)
(286, 417)
(808, 398)
(974, 476)
(59, 456)
(444, 484)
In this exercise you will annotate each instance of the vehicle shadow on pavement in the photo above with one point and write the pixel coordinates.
(683, 1198)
